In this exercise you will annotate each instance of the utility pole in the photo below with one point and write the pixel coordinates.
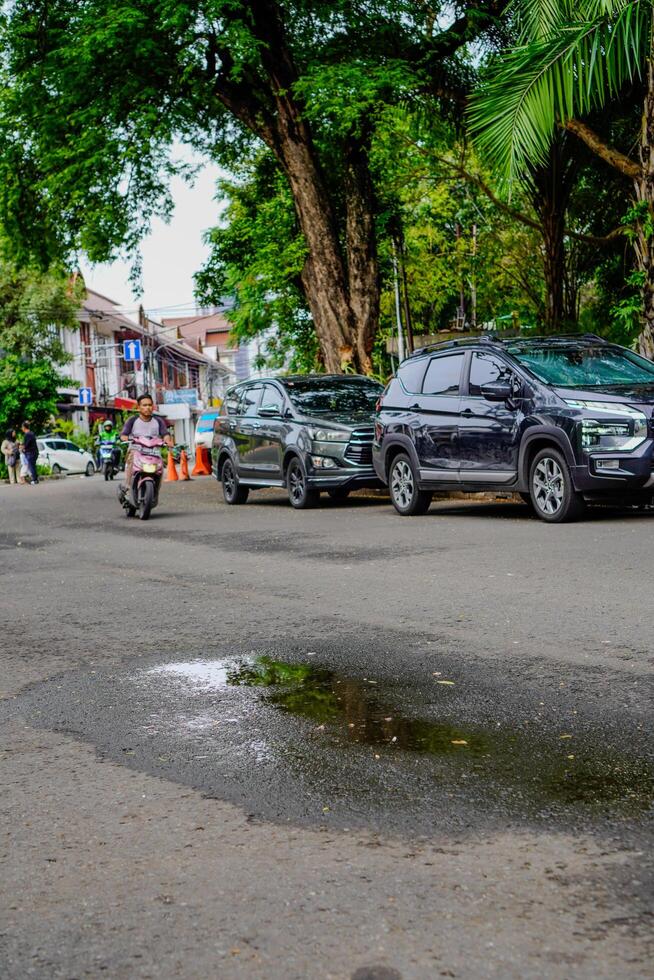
(405, 291)
(461, 316)
(398, 315)
(473, 280)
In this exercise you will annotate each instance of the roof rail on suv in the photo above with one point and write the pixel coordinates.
(444, 344)
(561, 338)
(496, 338)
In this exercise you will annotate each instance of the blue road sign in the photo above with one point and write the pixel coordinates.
(86, 396)
(132, 350)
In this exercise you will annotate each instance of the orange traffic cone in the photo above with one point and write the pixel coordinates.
(202, 462)
(171, 472)
(183, 466)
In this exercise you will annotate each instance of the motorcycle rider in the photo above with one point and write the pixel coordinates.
(108, 434)
(147, 427)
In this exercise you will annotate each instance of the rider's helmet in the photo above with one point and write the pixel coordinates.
(107, 424)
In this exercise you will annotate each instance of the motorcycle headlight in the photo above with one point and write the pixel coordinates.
(329, 435)
(622, 428)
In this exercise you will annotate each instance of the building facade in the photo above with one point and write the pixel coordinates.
(181, 379)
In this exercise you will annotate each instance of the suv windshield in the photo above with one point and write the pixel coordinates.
(338, 396)
(585, 367)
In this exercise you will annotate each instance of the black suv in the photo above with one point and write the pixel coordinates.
(560, 420)
(305, 433)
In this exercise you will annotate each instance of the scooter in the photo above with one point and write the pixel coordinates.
(109, 456)
(142, 495)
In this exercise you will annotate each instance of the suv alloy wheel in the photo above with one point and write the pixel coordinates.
(553, 496)
(233, 492)
(403, 484)
(299, 494)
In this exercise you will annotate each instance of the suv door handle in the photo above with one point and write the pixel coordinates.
(256, 425)
(467, 411)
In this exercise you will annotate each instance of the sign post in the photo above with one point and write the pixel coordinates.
(132, 350)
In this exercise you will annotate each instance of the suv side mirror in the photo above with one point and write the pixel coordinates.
(497, 391)
(269, 412)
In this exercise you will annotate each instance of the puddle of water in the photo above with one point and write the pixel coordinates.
(351, 712)
(205, 674)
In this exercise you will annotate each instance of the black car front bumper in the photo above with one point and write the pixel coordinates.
(634, 471)
(343, 479)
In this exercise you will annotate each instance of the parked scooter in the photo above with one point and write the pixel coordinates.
(142, 495)
(109, 458)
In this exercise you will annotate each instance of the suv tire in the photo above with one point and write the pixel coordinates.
(553, 495)
(403, 485)
(233, 492)
(299, 494)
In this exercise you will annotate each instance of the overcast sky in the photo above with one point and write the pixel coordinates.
(171, 253)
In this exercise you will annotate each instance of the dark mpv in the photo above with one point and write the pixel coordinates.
(563, 421)
(306, 433)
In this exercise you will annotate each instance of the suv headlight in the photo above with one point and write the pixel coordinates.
(329, 435)
(623, 432)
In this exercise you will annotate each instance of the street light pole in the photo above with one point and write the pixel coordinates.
(398, 314)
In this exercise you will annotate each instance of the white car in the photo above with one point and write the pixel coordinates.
(204, 428)
(63, 456)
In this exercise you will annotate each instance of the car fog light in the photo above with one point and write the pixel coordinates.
(323, 462)
(607, 464)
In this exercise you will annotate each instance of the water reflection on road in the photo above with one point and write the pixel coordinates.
(351, 712)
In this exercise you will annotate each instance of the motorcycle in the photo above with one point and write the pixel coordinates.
(109, 458)
(142, 495)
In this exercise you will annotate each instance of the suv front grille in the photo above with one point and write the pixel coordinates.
(359, 448)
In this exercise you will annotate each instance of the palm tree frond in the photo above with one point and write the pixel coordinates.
(535, 86)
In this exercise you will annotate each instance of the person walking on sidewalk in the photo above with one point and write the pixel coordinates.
(31, 451)
(11, 453)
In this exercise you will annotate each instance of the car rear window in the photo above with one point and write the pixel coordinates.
(232, 398)
(411, 373)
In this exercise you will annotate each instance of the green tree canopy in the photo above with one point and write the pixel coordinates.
(96, 91)
(575, 57)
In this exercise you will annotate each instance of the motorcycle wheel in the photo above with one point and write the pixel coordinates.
(107, 471)
(146, 499)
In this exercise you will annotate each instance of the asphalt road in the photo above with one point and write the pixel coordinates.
(256, 743)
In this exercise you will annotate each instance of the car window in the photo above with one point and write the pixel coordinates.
(41, 446)
(250, 400)
(484, 369)
(232, 398)
(71, 447)
(585, 366)
(411, 374)
(333, 396)
(57, 444)
(272, 397)
(443, 375)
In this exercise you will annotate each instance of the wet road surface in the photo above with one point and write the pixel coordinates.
(333, 741)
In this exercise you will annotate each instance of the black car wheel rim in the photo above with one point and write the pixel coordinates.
(296, 482)
(402, 484)
(549, 485)
(228, 480)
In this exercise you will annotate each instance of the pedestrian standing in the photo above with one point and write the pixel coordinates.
(31, 451)
(9, 450)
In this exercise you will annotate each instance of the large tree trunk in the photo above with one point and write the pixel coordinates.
(342, 292)
(363, 267)
(644, 241)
